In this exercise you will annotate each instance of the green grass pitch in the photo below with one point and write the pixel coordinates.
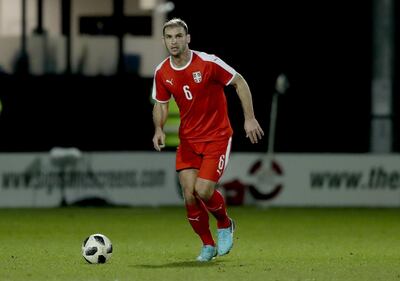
(158, 244)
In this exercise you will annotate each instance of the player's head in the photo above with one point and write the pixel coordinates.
(176, 22)
(176, 37)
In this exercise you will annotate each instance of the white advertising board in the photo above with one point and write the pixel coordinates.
(317, 180)
(33, 180)
(149, 179)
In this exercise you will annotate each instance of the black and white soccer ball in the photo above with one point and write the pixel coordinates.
(97, 248)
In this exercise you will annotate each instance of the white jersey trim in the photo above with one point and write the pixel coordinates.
(230, 81)
(182, 67)
(220, 62)
(153, 91)
(228, 153)
(227, 156)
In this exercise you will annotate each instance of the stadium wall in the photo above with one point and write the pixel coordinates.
(47, 52)
(148, 179)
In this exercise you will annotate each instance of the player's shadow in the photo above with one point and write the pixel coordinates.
(179, 264)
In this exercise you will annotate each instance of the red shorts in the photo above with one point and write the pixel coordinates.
(210, 158)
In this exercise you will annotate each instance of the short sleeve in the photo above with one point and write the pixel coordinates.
(223, 72)
(160, 92)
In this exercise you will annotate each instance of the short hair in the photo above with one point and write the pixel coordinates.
(175, 22)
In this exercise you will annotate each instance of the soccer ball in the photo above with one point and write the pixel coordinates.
(97, 248)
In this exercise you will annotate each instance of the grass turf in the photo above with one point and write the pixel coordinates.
(158, 244)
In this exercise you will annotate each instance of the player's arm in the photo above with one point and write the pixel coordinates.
(251, 126)
(160, 114)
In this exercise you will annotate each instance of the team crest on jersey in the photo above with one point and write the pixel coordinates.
(197, 76)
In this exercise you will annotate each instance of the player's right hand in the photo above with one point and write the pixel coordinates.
(159, 140)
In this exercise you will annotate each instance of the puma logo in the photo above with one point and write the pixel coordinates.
(170, 81)
(216, 209)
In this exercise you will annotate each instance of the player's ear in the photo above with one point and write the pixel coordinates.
(188, 38)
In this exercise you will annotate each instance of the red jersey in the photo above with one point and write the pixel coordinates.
(198, 89)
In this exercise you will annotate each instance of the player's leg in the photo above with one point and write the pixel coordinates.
(215, 203)
(196, 211)
(197, 214)
(213, 200)
(216, 155)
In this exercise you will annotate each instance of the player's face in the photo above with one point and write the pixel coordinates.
(176, 40)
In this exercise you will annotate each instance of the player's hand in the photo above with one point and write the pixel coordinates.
(253, 130)
(159, 140)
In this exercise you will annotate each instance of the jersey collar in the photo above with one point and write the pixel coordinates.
(182, 67)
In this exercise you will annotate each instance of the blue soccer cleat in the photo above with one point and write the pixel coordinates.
(207, 253)
(225, 239)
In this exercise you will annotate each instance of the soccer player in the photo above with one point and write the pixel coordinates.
(196, 81)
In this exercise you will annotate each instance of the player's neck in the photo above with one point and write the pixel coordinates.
(182, 59)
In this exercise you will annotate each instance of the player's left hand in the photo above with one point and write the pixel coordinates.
(253, 130)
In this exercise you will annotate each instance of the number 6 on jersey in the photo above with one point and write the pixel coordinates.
(188, 94)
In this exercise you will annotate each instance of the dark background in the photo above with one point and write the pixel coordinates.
(324, 47)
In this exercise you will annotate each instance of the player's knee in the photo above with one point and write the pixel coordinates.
(203, 190)
(189, 197)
